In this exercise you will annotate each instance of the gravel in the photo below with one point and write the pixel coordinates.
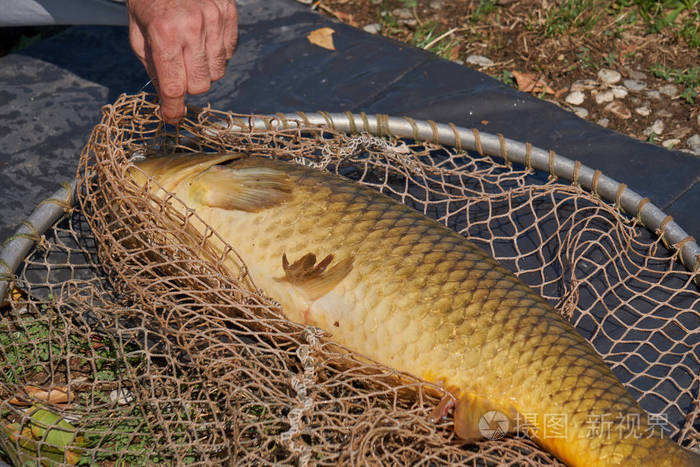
(657, 128)
(671, 90)
(575, 98)
(373, 28)
(609, 76)
(580, 112)
(604, 96)
(694, 144)
(619, 110)
(634, 85)
(619, 92)
(479, 60)
(643, 111)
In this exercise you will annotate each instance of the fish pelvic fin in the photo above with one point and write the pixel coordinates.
(243, 188)
(477, 418)
(316, 279)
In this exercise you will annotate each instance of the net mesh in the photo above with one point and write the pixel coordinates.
(126, 340)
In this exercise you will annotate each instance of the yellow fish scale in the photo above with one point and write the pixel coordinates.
(422, 299)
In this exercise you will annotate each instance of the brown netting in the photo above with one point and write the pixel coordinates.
(146, 353)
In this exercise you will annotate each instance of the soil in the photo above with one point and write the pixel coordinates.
(519, 37)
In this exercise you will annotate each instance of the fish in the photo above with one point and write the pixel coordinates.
(401, 289)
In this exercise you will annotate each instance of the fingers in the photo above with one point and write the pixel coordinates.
(214, 41)
(230, 32)
(183, 45)
(171, 79)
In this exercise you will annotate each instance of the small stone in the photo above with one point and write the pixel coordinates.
(651, 94)
(619, 110)
(694, 144)
(657, 128)
(479, 60)
(619, 92)
(584, 85)
(604, 122)
(670, 143)
(121, 396)
(575, 98)
(643, 111)
(402, 13)
(638, 75)
(609, 76)
(604, 96)
(436, 4)
(580, 112)
(373, 28)
(671, 90)
(663, 113)
(634, 86)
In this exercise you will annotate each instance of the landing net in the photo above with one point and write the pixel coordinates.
(121, 346)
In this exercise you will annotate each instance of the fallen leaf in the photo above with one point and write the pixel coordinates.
(13, 295)
(560, 92)
(322, 37)
(19, 402)
(454, 52)
(528, 82)
(56, 395)
(345, 18)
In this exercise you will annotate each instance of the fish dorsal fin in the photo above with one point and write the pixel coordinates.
(477, 418)
(241, 188)
(315, 279)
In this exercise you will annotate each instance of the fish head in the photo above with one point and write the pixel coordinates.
(170, 170)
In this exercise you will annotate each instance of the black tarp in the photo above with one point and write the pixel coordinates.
(51, 94)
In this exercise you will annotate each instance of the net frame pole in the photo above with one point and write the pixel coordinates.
(629, 201)
(49, 211)
(16, 248)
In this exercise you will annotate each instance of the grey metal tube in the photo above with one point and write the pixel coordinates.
(608, 189)
(18, 246)
(13, 253)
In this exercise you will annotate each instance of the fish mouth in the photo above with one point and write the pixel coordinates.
(172, 169)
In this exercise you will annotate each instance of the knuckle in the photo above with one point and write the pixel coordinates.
(173, 89)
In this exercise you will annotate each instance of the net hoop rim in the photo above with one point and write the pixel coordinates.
(47, 212)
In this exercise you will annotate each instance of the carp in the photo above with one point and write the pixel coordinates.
(403, 290)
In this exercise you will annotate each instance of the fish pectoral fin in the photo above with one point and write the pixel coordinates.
(241, 188)
(477, 418)
(315, 279)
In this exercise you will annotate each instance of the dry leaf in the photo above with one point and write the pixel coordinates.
(322, 37)
(560, 92)
(19, 402)
(528, 82)
(15, 293)
(56, 395)
(345, 18)
(454, 52)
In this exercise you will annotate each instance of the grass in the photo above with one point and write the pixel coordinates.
(688, 79)
(33, 342)
(426, 37)
(570, 16)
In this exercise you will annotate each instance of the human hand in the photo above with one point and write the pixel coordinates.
(184, 45)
